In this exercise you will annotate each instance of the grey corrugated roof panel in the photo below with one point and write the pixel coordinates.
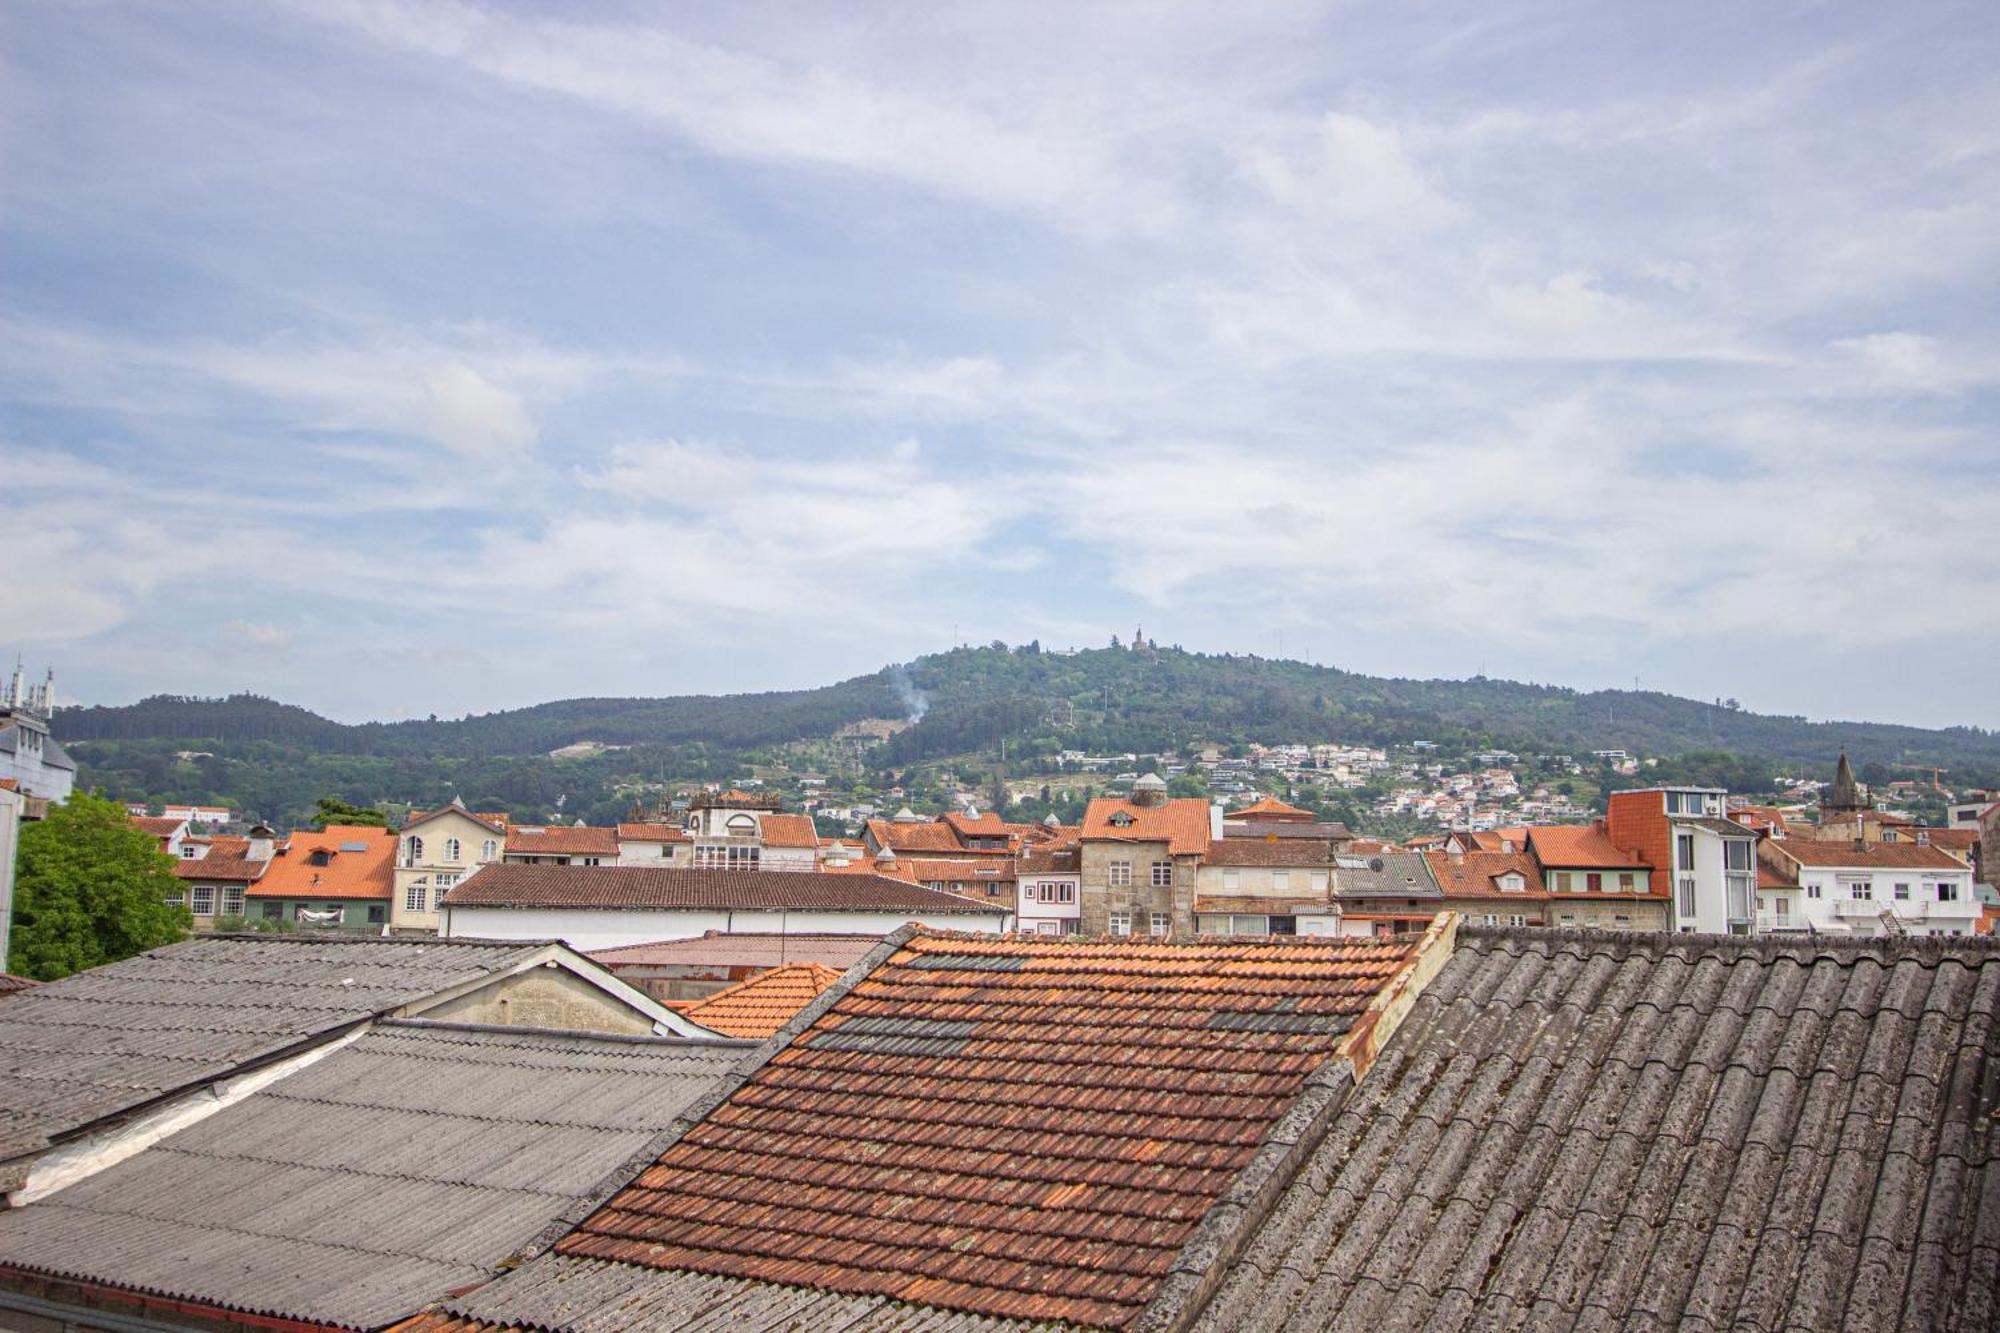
(372, 1182)
(118, 1037)
(1641, 1131)
(574, 1295)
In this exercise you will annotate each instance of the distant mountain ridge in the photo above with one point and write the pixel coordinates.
(971, 699)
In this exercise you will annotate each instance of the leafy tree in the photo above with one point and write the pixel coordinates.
(333, 810)
(90, 889)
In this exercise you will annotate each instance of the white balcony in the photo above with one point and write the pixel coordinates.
(1767, 922)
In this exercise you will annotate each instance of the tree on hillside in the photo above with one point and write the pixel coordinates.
(90, 889)
(333, 810)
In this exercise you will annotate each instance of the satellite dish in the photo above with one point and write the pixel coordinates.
(1375, 864)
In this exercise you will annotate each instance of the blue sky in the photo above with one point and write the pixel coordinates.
(396, 358)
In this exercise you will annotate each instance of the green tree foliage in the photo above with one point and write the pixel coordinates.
(90, 889)
(333, 810)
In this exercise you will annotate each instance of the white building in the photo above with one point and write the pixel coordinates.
(1050, 891)
(1882, 888)
(438, 849)
(28, 753)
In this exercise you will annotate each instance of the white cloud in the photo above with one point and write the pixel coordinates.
(470, 415)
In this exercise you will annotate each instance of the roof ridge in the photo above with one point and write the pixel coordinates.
(1937, 947)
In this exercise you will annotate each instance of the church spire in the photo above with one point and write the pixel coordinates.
(1846, 794)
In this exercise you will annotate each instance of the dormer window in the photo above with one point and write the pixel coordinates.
(1512, 884)
(320, 857)
(1122, 820)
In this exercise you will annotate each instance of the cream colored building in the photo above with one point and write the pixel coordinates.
(438, 850)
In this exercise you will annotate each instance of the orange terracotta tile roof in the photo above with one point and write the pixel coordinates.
(787, 831)
(1269, 807)
(359, 863)
(1770, 877)
(1477, 874)
(1308, 853)
(652, 833)
(1182, 824)
(760, 1005)
(557, 840)
(1879, 855)
(1007, 1126)
(1578, 847)
(900, 838)
(157, 826)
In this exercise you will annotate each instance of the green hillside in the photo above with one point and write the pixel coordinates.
(275, 759)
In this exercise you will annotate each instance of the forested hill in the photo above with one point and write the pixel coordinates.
(729, 721)
(1119, 699)
(1106, 699)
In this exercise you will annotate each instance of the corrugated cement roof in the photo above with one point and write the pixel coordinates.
(116, 1037)
(1656, 1131)
(375, 1181)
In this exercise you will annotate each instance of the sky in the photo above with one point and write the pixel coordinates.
(437, 357)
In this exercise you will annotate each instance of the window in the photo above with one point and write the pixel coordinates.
(1232, 879)
(1812, 890)
(178, 898)
(1563, 878)
(1517, 920)
(1684, 851)
(451, 849)
(1735, 854)
(722, 856)
(1490, 919)
(188, 850)
(1861, 890)
(1161, 925)
(590, 860)
(232, 900)
(1163, 874)
(1317, 879)
(1121, 922)
(1281, 881)
(1687, 895)
(376, 914)
(1902, 893)
(274, 911)
(417, 897)
(204, 900)
(1947, 893)
(1119, 874)
(413, 851)
(1049, 928)
(1594, 883)
(1628, 882)
(1622, 922)
(1567, 919)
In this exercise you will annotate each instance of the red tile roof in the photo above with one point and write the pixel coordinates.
(652, 833)
(9, 983)
(1182, 824)
(1578, 847)
(220, 867)
(1007, 1126)
(1279, 852)
(787, 831)
(1269, 808)
(360, 863)
(157, 826)
(934, 838)
(556, 840)
(504, 885)
(1878, 855)
(760, 1005)
(1477, 874)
